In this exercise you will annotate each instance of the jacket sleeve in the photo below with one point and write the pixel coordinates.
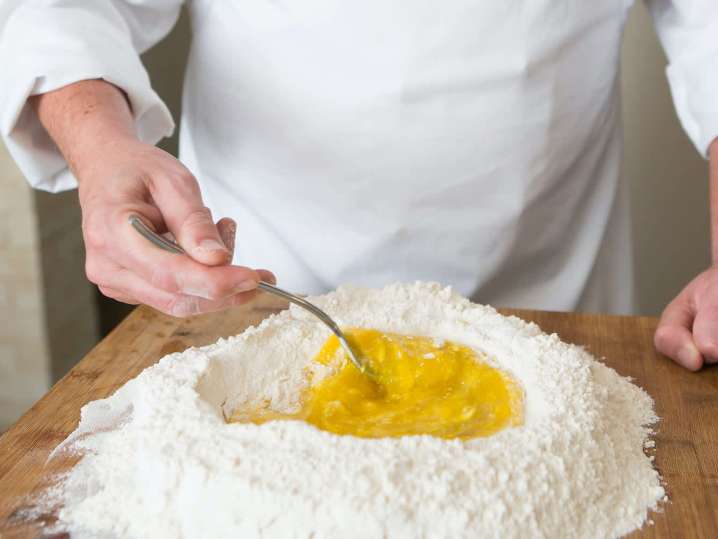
(47, 44)
(688, 30)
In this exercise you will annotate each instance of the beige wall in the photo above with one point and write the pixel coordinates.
(48, 317)
(24, 354)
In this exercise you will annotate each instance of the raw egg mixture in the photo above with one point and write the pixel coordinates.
(419, 385)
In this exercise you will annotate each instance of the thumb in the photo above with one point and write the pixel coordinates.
(190, 221)
(673, 336)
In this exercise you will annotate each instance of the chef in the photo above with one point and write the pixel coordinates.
(469, 142)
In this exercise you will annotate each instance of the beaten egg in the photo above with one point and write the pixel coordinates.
(420, 386)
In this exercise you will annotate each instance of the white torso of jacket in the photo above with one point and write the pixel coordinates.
(468, 142)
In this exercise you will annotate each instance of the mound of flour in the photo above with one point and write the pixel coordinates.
(160, 460)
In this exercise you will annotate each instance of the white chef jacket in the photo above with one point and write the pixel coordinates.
(476, 143)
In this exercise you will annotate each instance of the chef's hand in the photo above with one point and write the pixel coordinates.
(137, 178)
(688, 329)
(119, 176)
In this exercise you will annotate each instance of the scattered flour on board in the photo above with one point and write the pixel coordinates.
(160, 461)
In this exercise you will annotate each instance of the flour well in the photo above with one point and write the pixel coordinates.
(160, 460)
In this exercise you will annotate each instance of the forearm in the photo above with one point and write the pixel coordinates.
(85, 119)
(714, 199)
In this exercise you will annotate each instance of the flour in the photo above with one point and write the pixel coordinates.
(160, 461)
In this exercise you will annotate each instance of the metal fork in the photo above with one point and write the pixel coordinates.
(168, 245)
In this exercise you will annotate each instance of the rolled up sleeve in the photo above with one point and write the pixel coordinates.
(688, 30)
(45, 45)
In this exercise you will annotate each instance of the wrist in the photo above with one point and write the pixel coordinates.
(86, 120)
(96, 151)
(99, 157)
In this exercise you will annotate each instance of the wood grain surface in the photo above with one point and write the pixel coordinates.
(687, 440)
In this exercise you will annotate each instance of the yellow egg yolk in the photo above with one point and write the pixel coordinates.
(420, 386)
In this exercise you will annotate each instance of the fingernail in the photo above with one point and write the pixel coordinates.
(245, 286)
(229, 235)
(688, 355)
(210, 245)
(268, 276)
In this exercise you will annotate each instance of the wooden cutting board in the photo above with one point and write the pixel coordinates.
(687, 441)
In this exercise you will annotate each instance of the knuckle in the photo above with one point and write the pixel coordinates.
(181, 306)
(95, 238)
(179, 174)
(179, 179)
(150, 180)
(663, 337)
(707, 347)
(218, 290)
(185, 181)
(93, 271)
(171, 307)
(107, 292)
(144, 176)
(185, 177)
(199, 216)
(159, 278)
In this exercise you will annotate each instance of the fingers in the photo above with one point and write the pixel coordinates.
(705, 329)
(117, 295)
(175, 273)
(673, 336)
(178, 197)
(110, 238)
(185, 306)
(153, 185)
(123, 285)
(267, 276)
(131, 269)
(227, 231)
